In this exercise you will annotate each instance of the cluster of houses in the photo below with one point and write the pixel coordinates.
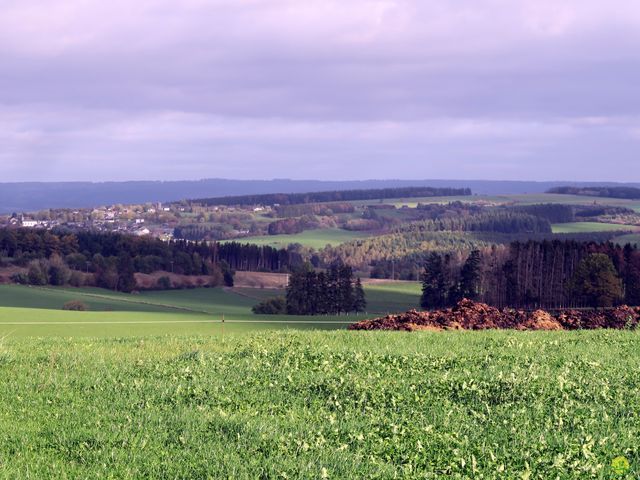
(140, 221)
(156, 220)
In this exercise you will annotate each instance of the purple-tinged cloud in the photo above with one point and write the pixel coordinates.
(283, 88)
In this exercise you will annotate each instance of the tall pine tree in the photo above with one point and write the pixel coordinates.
(359, 298)
(433, 283)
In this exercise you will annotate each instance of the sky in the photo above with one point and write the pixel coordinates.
(319, 89)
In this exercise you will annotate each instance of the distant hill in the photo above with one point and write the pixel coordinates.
(626, 192)
(19, 197)
(334, 196)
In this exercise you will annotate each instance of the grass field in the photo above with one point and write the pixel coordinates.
(310, 238)
(521, 199)
(322, 405)
(33, 311)
(587, 227)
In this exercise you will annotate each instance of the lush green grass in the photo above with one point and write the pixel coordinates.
(54, 298)
(392, 296)
(26, 311)
(31, 311)
(586, 227)
(310, 238)
(321, 405)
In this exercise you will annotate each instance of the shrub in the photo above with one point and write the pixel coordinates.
(75, 305)
(38, 272)
(76, 279)
(20, 278)
(216, 277)
(271, 306)
(164, 283)
(59, 274)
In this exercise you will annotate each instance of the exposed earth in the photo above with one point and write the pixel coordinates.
(469, 315)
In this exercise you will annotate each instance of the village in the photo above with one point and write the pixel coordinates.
(150, 219)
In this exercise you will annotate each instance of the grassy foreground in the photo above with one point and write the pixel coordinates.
(321, 405)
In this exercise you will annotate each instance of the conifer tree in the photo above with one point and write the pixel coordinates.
(359, 298)
(346, 289)
(470, 277)
(433, 283)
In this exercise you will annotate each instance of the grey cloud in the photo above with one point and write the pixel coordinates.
(156, 89)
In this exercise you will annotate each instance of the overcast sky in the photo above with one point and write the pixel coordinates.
(344, 89)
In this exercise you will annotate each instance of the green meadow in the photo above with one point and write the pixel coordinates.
(37, 311)
(520, 199)
(317, 239)
(153, 385)
(310, 404)
(588, 227)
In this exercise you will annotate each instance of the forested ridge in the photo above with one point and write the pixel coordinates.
(409, 243)
(630, 193)
(333, 196)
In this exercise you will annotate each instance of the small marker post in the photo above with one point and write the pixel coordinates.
(223, 326)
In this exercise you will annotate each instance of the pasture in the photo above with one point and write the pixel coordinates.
(589, 227)
(515, 199)
(37, 311)
(317, 239)
(321, 405)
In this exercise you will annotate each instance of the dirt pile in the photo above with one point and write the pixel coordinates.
(469, 315)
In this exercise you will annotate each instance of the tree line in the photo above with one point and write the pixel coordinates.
(112, 259)
(325, 293)
(534, 274)
(333, 196)
(629, 193)
(498, 221)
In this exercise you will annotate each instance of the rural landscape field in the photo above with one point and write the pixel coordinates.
(283, 239)
(315, 404)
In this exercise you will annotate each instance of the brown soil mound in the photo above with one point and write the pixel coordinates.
(469, 315)
(540, 320)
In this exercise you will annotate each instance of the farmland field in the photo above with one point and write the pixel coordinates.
(520, 199)
(309, 238)
(587, 227)
(36, 311)
(321, 405)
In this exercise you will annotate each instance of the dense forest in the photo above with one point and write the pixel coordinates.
(334, 196)
(113, 258)
(325, 293)
(497, 221)
(409, 243)
(534, 274)
(630, 193)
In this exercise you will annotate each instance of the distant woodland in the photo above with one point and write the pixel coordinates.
(630, 193)
(334, 196)
(111, 260)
